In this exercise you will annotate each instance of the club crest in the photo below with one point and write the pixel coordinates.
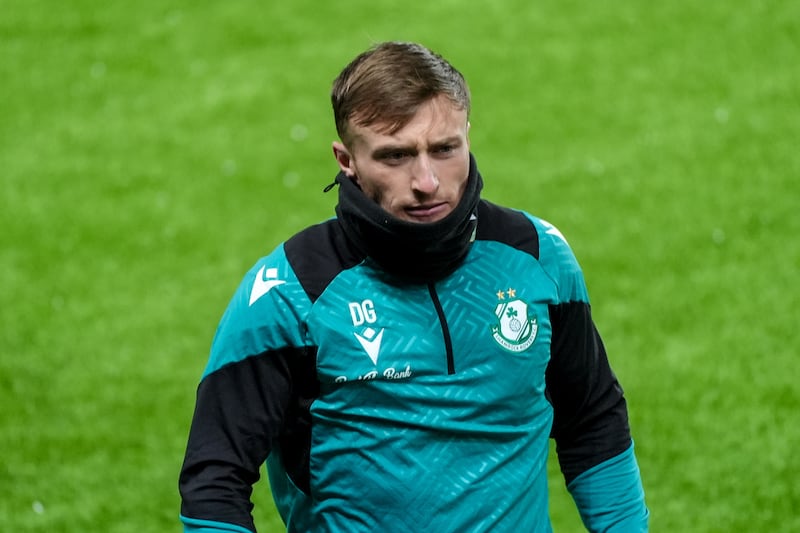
(516, 326)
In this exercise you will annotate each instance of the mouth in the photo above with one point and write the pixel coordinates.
(427, 212)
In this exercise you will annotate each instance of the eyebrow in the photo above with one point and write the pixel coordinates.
(455, 139)
(393, 148)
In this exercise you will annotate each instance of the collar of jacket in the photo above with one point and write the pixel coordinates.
(411, 251)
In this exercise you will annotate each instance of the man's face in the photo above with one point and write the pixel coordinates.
(418, 173)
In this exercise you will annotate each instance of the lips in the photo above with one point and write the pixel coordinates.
(428, 212)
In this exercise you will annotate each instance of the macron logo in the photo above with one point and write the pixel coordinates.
(371, 343)
(264, 282)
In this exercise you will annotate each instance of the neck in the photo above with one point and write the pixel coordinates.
(411, 251)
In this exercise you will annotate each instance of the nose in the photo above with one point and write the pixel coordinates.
(424, 179)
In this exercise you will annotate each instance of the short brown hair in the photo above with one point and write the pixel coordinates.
(386, 84)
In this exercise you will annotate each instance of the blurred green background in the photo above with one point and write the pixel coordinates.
(150, 152)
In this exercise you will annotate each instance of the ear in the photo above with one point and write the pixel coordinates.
(469, 125)
(345, 160)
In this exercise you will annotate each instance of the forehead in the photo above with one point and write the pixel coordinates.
(436, 119)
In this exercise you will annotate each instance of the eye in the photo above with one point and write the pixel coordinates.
(393, 157)
(444, 149)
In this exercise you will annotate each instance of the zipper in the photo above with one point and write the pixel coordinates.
(448, 342)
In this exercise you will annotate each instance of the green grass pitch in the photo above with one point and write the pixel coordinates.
(150, 152)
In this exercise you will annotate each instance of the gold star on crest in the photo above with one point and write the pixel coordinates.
(501, 295)
(512, 292)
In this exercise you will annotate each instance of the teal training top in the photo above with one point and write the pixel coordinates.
(385, 405)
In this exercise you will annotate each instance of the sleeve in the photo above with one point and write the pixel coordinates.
(610, 496)
(242, 401)
(590, 424)
(238, 415)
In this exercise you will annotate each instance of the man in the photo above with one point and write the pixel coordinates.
(402, 366)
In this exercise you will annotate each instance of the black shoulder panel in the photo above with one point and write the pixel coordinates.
(318, 254)
(501, 224)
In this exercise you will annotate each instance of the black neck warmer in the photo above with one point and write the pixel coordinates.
(412, 251)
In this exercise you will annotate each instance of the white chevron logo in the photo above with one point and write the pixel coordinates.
(372, 344)
(264, 283)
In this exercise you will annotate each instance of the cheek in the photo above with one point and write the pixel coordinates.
(371, 192)
(371, 186)
(454, 173)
